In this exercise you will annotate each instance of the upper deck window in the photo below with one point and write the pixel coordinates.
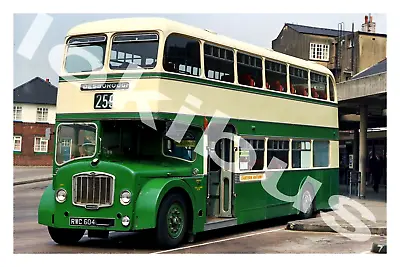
(134, 51)
(298, 81)
(218, 63)
(182, 55)
(249, 70)
(276, 76)
(85, 54)
(318, 86)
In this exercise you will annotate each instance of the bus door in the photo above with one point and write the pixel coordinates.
(220, 176)
(226, 178)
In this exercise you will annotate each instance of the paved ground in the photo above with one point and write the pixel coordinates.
(263, 237)
(30, 174)
(355, 214)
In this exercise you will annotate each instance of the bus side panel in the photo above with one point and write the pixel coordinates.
(198, 187)
(250, 203)
(334, 181)
(150, 197)
(47, 207)
(323, 176)
(255, 202)
(325, 191)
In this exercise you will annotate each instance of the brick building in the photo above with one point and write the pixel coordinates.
(34, 111)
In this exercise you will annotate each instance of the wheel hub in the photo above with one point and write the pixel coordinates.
(307, 199)
(175, 220)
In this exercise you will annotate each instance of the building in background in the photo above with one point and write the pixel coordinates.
(345, 53)
(34, 111)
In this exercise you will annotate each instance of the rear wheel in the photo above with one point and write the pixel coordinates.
(66, 236)
(172, 221)
(307, 202)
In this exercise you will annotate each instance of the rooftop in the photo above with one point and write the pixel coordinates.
(315, 30)
(324, 31)
(36, 91)
(379, 67)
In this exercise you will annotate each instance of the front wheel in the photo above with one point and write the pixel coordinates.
(66, 236)
(171, 221)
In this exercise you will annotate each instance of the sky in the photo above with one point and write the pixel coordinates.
(257, 29)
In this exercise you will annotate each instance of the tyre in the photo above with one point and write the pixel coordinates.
(66, 236)
(307, 202)
(172, 221)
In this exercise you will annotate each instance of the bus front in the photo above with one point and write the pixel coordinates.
(112, 162)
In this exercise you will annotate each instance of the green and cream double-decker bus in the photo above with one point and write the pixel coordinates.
(138, 100)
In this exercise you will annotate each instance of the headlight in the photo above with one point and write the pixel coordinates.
(61, 195)
(125, 197)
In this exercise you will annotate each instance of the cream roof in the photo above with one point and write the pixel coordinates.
(167, 26)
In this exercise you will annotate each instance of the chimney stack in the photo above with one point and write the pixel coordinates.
(368, 25)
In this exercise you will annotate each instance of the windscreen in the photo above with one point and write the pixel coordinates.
(134, 51)
(85, 54)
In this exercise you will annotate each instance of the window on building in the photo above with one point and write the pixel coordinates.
(318, 86)
(331, 90)
(249, 70)
(17, 113)
(17, 143)
(247, 159)
(321, 153)
(218, 63)
(298, 81)
(319, 52)
(42, 114)
(182, 55)
(301, 154)
(276, 76)
(278, 149)
(40, 144)
(351, 43)
(134, 51)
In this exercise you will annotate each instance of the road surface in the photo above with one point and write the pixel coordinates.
(262, 237)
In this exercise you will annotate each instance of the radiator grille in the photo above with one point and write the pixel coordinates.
(93, 189)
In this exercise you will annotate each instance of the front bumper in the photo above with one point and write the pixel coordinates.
(58, 215)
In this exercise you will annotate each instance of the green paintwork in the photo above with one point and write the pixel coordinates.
(150, 181)
(47, 207)
(243, 127)
(175, 220)
(151, 195)
(196, 80)
(253, 203)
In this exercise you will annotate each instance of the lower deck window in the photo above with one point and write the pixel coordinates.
(321, 153)
(278, 149)
(301, 154)
(251, 161)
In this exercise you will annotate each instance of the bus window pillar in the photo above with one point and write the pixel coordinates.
(363, 148)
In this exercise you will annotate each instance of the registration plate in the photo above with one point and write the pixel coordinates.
(90, 222)
(103, 101)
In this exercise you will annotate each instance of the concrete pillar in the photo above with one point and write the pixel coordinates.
(363, 148)
(356, 145)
